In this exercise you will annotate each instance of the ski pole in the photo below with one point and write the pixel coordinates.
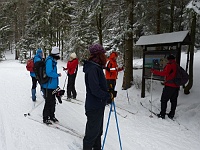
(151, 116)
(29, 113)
(112, 104)
(65, 78)
(127, 96)
(65, 82)
(117, 126)
(127, 91)
(107, 126)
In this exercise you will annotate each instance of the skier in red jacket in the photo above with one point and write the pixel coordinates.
(72, 67)
(170, 90)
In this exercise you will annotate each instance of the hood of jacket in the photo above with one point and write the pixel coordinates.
(113, 56)
(38, 56)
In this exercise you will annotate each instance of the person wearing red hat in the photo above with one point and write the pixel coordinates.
(170, 90)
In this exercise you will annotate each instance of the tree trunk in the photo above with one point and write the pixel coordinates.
(62, 45)
(171, 29)
(181, 16)
(59, 38)
(99, 27)
(16, 33)
(128, 73)
(158, 17)
(193, 29)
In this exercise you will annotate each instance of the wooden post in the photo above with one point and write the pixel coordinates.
(178, 56)
(143, 73)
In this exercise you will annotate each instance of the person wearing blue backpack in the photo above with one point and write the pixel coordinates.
(170, 90)
(37, 57)
(50, 86)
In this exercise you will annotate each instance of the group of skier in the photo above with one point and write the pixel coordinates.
(100, 88)
(49, 89)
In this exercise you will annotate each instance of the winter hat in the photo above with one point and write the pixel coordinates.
(39, 51)
(96, 49)
(73, 55)
(55, 50)
(170, 57)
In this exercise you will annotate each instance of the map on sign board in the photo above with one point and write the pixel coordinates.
(155, 60)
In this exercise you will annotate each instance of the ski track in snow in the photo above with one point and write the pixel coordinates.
(138, 131)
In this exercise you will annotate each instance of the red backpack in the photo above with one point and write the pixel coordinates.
(30, 65)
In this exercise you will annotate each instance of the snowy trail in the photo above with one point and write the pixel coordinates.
(21, 133)
(2, 134)
(138, 131)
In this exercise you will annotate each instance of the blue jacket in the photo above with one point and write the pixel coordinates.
(51, 71)
(96, 86)
(36, 58)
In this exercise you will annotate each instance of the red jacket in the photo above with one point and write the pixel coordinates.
(72, 66)
(112, 67)
(168, 72)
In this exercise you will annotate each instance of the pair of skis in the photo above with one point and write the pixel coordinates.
(60, 127)
(74, 101)
(154, 113)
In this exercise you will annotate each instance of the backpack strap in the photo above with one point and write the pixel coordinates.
(50, 78)
(107, 63)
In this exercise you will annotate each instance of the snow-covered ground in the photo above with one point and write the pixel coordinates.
(138, 131)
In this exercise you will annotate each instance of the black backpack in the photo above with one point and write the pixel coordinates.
(181, 77)
(40, 71)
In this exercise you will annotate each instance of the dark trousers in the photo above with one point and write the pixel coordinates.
(50, 103)
(169, 93)
(93, 130)
(71, 91)
(34, 82)
(111, 83)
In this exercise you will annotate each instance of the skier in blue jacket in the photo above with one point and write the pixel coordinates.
(50, 86)
(96, 97)
(37, 57)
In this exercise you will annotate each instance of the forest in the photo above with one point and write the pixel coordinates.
(73, 25)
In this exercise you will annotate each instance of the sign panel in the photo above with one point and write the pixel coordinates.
(156, 60)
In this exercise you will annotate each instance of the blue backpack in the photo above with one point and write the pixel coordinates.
(181, 77)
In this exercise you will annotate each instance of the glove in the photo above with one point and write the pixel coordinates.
(59, 99)
(60, 93)
(120, 69)
(113, 94)
(152, 70)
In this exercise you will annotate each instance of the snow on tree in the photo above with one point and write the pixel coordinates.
(195, 5)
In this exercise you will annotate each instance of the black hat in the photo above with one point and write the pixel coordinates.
(170, 57)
